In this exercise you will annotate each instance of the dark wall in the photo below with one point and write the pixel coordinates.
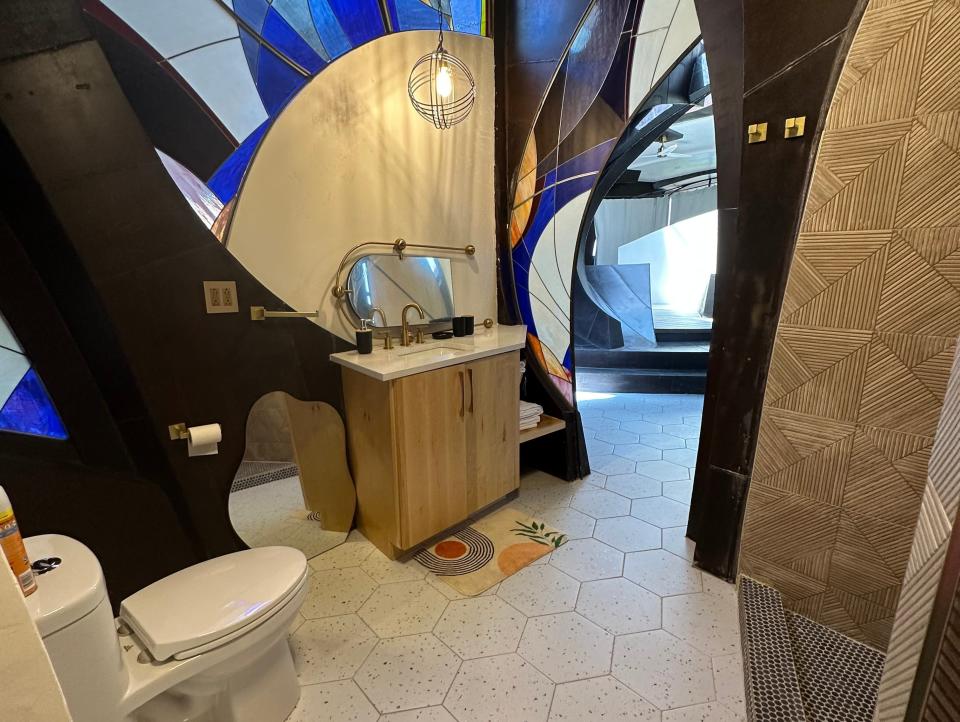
(768, 62)
(121, 258)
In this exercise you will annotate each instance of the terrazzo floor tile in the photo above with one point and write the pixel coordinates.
(637, 452)
(720, 587)
(330, 649)
(348, 554)
(627, 533)
(681, 456)
(617, 436)
(624, 415)
(728, 680)
(600, 503)
(597, 422)
(619, 606)
(596, 447)
(665, 418)
(674, 540)
(633, 486)
(693, 443)
(600, 698)
(424, 714)
(538, 494)
(661, 441)
(575, 524)
(685, 430)
(595, 479)
(662, 573)
(499, 689)
(540, 589)
(403, 608)
(298, 621)
(660, 511)
(385, 571)
(707, 621)
(588, 559)
(678, 491)
(662, 669)
(333, 702)
(641, 427)
(710, 712)
(663, 470)
(408, 672)
(480, 627)
(566, 646)
(337, 591)
(610, 464)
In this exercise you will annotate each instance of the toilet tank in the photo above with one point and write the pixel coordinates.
(74, 618)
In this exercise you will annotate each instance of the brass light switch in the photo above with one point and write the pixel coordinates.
(220, 296)
(793, 127)
(757, 133)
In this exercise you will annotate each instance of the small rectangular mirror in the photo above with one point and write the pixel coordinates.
(388, 282)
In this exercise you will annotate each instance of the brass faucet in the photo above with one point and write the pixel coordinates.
(406, 338)
(383, 316)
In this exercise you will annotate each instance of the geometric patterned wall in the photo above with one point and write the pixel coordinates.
(868, 330)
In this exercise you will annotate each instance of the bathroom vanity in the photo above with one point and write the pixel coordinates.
(432, 431)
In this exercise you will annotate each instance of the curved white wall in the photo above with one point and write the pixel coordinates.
(349, 160)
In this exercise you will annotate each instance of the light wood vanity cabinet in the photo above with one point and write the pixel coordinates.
(430, 449)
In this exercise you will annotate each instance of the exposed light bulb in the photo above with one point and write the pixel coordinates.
(444, 82)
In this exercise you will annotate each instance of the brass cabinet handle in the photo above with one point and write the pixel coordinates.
(460, 374)
(470, 374)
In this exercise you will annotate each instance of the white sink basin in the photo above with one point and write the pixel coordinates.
(438, 352)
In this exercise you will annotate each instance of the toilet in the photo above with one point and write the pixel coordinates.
(208, 643)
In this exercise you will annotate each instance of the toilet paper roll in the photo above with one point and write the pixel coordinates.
(203, 440)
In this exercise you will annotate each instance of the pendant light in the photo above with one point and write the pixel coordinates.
(441, 87)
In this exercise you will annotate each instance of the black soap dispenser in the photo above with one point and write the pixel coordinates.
(364, 337)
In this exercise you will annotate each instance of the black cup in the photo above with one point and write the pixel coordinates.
(364, 341)
(468, 325)
(459, 325)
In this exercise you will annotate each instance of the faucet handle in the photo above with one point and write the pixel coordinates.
(419, 335)
(387, 341)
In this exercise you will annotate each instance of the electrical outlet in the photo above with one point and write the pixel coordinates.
(221, 296)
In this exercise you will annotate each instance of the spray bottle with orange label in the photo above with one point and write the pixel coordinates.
(13, 548)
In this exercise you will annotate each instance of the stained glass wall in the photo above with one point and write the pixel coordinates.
(240, 62)
(25, 406)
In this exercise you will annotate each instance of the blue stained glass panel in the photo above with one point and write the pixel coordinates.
(276, 81)
(467, 15)
(29, 410)
(414, 15)
(226, 181)
(284, 38)
(328, 27)
(360, 19)
(297, 14)
(252, 12)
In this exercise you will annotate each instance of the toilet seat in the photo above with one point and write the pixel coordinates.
(209, 604)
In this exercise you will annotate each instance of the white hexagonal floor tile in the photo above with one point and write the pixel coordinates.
(503, 688)
(623, 414)
(424, 714)
(617, 436)
(728, 680)
(588, 559)
(333, 702)
(386, 571)
(661, 572)
(684, 430)
(403, 608)
(609, 464)
(596, 447)
(707, 621)
(637, 452)
(538, 492)
(661, 441)
(600, 698)
(348, 554)
(619, 606)
(675, 541)
(663, 470)
(566, 647)
(681, 457)
(480, 627)
(665, 418)
(678, 490)
(628, 534)
(575, 524)
(337, 591)
(633, 486)
(330, 649)
(693, 444)
(600, 503)
(660, 511)
(640, 427)
(712, 711)
(598, 422)
(408, 672)
(662, 669)
(540, 589)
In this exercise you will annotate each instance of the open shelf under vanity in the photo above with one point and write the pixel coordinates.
(548, 425)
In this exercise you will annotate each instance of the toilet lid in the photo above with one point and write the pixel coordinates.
(213, 599)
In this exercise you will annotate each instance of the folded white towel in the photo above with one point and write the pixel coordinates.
(529, 424)
(534, 414)
(528, 407)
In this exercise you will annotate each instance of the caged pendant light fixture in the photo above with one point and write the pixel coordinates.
(441, 87)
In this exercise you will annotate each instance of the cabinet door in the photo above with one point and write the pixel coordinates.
(431, 419)
(493, 430)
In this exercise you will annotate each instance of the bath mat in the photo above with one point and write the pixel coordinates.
(490, 550)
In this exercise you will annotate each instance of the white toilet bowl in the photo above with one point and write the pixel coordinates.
(207, 643)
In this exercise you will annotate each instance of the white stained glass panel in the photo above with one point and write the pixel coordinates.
(176, 26)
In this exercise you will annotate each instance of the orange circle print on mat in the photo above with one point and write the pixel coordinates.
(450, 549)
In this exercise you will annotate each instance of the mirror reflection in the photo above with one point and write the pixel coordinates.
(293, 487)
(381, 285)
